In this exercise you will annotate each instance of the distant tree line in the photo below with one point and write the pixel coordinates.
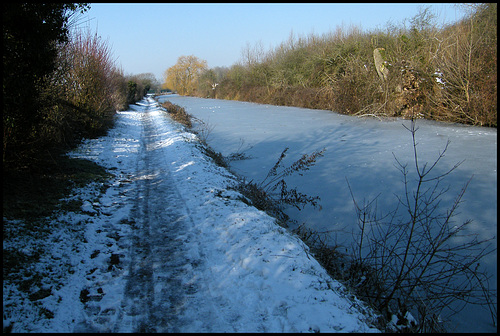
(60, 84)
(416, 69)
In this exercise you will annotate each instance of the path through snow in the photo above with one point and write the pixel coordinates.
(170, 247)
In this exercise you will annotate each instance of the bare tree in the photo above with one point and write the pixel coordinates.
(467, 60)
(252, 55)
(416, 258)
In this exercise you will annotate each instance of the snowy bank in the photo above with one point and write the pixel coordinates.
(171, 247)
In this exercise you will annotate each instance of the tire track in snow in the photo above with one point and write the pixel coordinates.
(196, 258)
(155, 290)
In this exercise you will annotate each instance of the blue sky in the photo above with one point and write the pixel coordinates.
(150, 37)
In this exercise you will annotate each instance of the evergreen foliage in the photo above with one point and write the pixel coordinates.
(59, 84)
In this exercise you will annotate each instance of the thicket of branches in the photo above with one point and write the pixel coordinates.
(415, 264)
(59, 84)
(416, 68)
(417, 258)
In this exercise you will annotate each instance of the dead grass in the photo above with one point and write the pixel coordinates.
(33, 192)
(178, 113)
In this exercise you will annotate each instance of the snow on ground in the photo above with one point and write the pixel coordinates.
(363, 150)
(169, 246)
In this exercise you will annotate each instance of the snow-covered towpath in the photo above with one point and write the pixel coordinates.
(171, 247)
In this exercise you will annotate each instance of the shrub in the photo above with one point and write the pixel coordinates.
(178, 113)
(272, 193)
(445, 74)
(32, 33)
(409, 260)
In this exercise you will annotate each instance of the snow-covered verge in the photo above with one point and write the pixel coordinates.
(169, 246)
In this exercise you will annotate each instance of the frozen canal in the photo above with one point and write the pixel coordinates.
(362, 151)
